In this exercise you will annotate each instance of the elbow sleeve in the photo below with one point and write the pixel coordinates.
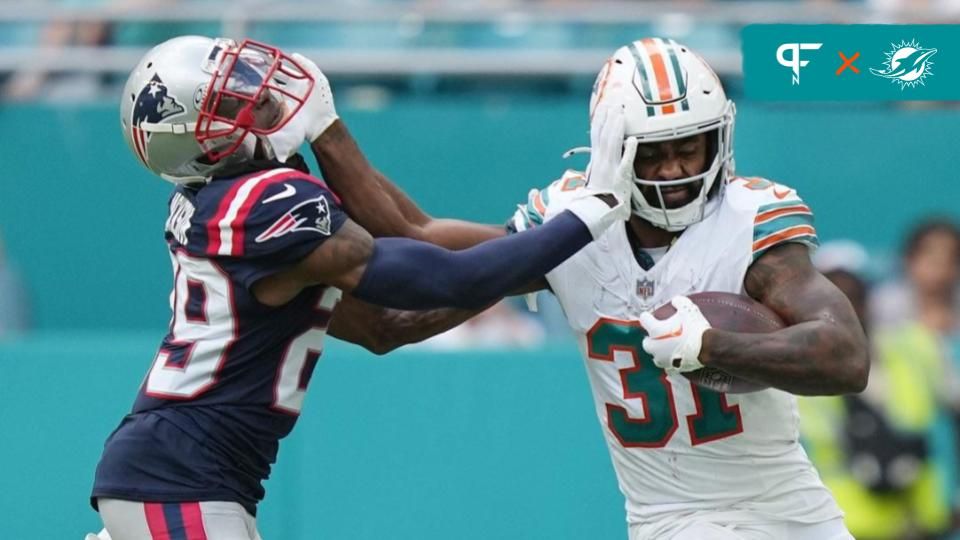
(407, 274)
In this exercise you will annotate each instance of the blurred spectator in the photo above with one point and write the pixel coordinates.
(501, 326)
(31, 83)
(14, 311)
(928, 292)
(887, 454)
(924, 11)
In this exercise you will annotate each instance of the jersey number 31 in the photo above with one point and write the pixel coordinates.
(714, 418)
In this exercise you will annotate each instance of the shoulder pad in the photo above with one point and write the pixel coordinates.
(269, 211)
(747, 193)
(779, 214)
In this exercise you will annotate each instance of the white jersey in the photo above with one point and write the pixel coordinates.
(677, 447)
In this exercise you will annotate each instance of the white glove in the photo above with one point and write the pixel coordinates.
(611, 157)
(313, 118)
(610, 170)
(674, 343)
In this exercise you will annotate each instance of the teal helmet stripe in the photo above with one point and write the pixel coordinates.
(644, 78)
(671, 47)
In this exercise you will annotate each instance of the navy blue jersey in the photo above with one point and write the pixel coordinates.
(229, 378)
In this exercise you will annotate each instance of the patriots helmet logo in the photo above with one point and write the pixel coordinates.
(154, 104)
(311, 215)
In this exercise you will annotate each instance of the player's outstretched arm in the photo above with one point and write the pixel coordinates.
(823, 350)
(381, 207)
(373, 201)
(407, 274)
(381, 330)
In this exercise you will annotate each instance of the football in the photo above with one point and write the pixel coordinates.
(736, 313)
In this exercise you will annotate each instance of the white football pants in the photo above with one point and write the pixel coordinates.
(702, 527)
(208, 520)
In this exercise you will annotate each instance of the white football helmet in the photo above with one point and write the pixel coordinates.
(671, 93)
(195, 104)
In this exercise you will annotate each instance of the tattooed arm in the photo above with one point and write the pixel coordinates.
(823, 350)
(381, 330)
(381, 207)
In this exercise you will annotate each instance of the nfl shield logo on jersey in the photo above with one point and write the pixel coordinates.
(645, 288)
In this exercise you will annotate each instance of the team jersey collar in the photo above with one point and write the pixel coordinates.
(296, 161)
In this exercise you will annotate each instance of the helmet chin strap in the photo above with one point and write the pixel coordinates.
(676, 219)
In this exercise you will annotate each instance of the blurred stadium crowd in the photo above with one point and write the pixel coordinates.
(890, 455)
(79, 49)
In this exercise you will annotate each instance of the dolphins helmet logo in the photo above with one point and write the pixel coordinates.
(153, 105)
(907, 64)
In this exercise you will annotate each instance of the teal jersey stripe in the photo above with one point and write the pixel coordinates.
(783, 204)
(644, 77)
(685, 105)
(533, 215)
(809, 240)
(678, 73)
(781, 223)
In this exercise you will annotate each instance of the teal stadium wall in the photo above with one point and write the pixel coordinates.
(414, 445)
(411, 446)
(84, 221)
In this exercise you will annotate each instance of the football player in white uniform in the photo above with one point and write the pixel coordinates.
(692, 463)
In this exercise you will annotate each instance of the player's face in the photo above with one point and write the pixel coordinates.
(672, 160)
(267, 112)
(933, 267)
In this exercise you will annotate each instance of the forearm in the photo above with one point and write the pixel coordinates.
(810, 358)
(405, 274)
(448, 233)
(381, 207)
(359, 186)
(381, 330)
(399, 327)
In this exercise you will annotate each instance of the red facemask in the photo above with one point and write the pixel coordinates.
(255, 88)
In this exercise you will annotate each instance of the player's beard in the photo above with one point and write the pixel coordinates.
(673, 196)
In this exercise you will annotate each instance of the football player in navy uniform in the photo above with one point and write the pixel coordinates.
(265, 263)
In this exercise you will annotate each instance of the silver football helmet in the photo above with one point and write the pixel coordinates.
(194, 104)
